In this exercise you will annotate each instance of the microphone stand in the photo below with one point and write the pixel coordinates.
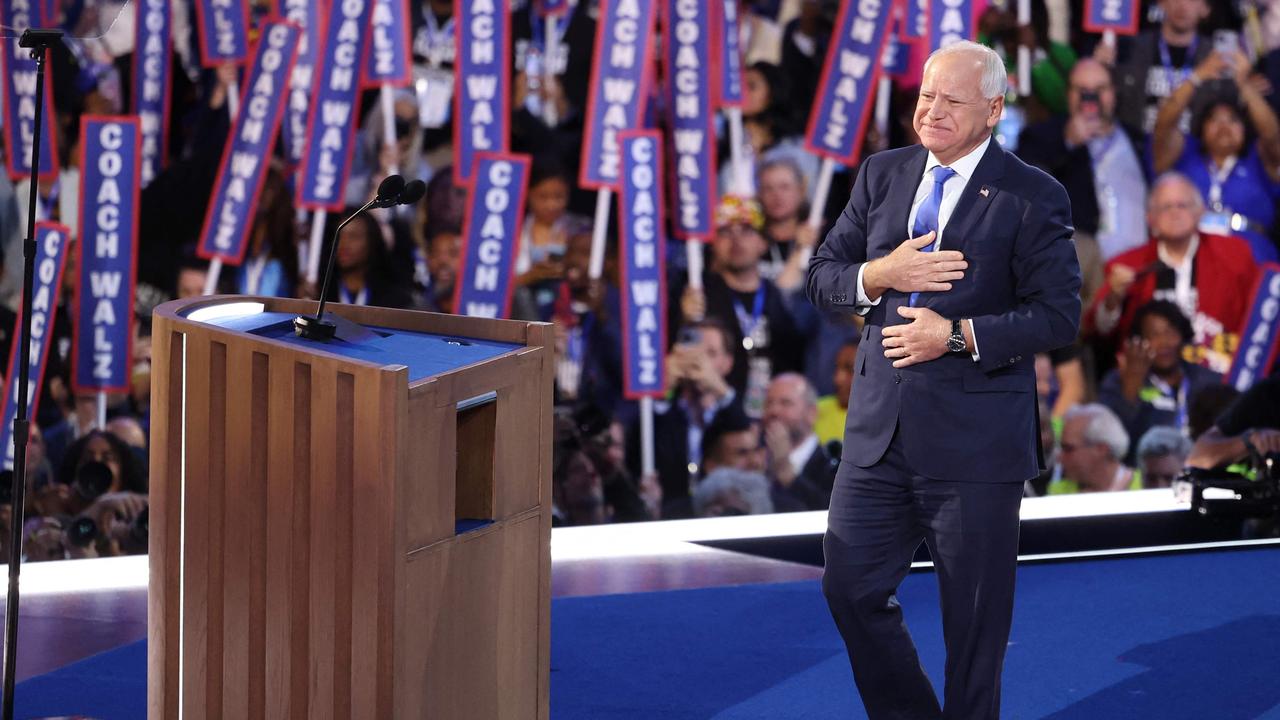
(317, 328)
(39, 42)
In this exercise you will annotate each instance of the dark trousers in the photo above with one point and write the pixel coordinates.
(879, 516)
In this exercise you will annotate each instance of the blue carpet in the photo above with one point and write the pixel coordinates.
(1194, 637)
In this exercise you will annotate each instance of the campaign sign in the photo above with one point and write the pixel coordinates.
(917, 21)
(729, 42)
(1118, 16)
(951, 21)
(110, 180)
(1260, 339)
(389, 62)
(897, 53)
(223, 31)
(847, 89)
(490, 233)
(644, 247)
(334, 104)
(152, 82)
(308, 15)
(689, 97)
(482, 82)
(619, 86)
(20, 97)
(51, 255)
(248, 151)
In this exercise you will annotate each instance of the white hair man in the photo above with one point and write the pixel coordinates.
(1093, 446)
(959, 256)
(1162, 453)
(799, 467)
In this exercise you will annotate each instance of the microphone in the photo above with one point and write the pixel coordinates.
(390, 192)
(412, 193)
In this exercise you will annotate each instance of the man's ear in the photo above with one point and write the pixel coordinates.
(997, 109)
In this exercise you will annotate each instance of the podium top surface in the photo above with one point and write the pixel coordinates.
(425, 354)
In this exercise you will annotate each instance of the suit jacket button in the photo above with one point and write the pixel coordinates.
(897, 378)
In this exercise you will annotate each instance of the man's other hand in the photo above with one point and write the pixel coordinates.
(907, 269)
(921, 340)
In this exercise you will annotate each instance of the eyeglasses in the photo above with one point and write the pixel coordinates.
(1179, 205)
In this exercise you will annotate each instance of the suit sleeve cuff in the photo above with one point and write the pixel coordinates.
(865, 303)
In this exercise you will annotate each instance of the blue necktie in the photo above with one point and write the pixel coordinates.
(927, 215)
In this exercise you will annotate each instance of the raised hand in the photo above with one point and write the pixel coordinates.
(908, 269)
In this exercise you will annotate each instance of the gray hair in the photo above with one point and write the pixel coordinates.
(1173, 176)
(995, 80)
(808, 394)
(1163, 440)
(785, 162)
(1102, 428)
(751, 487)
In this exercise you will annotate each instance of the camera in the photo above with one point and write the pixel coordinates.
(92, 480)
(1223, 493)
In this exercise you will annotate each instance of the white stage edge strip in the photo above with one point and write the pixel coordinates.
(664, 539)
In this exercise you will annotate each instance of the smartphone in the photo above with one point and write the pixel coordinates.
(689, 336)
(1226, 42)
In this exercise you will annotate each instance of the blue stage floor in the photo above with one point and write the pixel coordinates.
(1192, 636)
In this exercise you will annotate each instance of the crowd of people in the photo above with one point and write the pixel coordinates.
(1167, 143)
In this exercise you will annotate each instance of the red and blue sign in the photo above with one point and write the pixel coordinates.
(223, 31)
(308, 15)
(248, 151)
(481, 82)
(917, 22)
(730, 45)
(846, 91)
(1118, 16)
(951, 21)
(389, 62)
(153, 82)
(690, 94)
(619, 86)
(550, 8)
(335, 102)
(491, 232)
(110, 182)
(52, 241)
(1260, 339)
(641, 236)
(897, 54)
(20, 97)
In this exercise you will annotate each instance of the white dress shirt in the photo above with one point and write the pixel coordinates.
(964, 169)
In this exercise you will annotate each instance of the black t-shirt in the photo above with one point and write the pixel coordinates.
(1258, 407)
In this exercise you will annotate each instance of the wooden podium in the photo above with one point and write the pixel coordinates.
(348, 530)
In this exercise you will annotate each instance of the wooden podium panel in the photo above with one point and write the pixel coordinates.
(334, 537)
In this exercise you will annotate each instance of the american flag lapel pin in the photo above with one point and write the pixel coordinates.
(984, 191)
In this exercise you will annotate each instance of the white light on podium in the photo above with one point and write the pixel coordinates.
(210, 313)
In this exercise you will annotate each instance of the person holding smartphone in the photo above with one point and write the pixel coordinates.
(1232, 151)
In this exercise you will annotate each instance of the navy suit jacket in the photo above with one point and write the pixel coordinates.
(958, 419)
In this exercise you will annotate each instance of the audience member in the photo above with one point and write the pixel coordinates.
(800, 470)
(363, 272)
(548, 225)
(1231, 154)
(1157, 61)
(1200, 273)
(1154, 383)
(729, 491)
(1250, 426)
(1162, 453)
(832, 409)
(789, 237)
(1093, 447)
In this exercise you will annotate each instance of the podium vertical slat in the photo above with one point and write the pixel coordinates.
(164, 596)
(279, 595)
(237, 510)
(323, 516)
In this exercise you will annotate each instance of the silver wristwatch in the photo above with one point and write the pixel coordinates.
(955, 343)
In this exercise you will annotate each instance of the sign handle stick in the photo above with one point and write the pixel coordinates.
(549, 114)
(233, 99)
(387, 97)
(211, 280)
(1024, 52)
(647, 465)
(742, 184)
(1109, 38)
(102, 410)
(599, 232)
(313, 254)
(693, 251)
(820, 192)
(884, 92)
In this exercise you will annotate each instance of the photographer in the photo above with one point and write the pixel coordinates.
(1251, 425)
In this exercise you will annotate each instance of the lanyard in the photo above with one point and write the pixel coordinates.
(1167, 61)
(1216, 178)
(361, 298)
(1179, 398)
(440, 47)
(749, 324)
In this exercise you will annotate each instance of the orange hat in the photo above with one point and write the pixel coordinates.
(738, 209)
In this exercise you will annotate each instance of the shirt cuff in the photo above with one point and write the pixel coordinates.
(863, 300)
(973, 334)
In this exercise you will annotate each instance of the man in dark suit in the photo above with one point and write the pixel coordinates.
(960, 257)
(800, 470)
